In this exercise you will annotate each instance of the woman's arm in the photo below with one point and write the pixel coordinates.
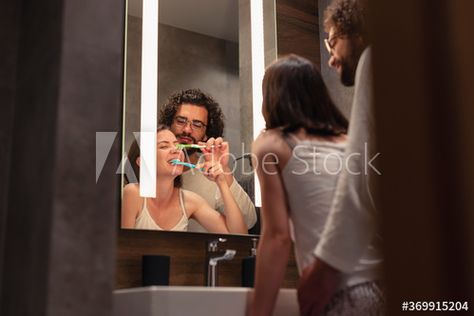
(131, 202)
(204, 214)
(275, 242)
(217, 151)
(233, 216)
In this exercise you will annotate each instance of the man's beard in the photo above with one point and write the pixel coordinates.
(348, 71)
(178, 136)
(189, 151)
(349, 67)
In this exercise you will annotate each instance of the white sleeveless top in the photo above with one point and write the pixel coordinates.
(310, 178)
(145, 221)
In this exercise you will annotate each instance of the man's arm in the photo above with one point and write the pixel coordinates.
(245, 204)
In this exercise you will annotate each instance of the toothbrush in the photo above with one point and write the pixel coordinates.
(182, 146)
(186, 164)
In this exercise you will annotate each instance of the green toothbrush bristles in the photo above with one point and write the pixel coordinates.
(182, 146)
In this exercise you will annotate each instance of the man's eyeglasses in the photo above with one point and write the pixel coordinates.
(182, 121)
(331, 42)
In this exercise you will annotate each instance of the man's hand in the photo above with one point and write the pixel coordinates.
(316, 286)
(217, 150)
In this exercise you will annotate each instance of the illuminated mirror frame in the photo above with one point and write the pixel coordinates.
(149, 98)
(258, 70)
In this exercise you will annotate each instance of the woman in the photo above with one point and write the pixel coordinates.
(172, 206)
(299, 155)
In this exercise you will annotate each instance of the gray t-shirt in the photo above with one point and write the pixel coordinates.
(350, 241)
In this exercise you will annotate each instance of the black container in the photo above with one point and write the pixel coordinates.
(155, 270)
(248, 271)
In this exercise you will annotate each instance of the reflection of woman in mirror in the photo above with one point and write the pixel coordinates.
(299, 155)
(172, 206)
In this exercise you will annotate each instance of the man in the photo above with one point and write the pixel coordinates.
(194, 117)
(348, 243)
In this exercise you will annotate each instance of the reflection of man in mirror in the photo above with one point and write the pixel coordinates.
(195, 118)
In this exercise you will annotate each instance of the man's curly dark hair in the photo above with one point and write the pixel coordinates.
(348, 17)
(215, 117)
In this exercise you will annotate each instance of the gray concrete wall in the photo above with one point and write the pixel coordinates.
(186, 60)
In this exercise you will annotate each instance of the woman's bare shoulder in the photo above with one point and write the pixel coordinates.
(132, 189)
(132, 201)
(269, 142)
(270, 146)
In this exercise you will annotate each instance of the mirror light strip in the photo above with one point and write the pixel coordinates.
(258, 70)
(149, 97)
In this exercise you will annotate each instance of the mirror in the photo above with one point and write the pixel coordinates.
(206, 45)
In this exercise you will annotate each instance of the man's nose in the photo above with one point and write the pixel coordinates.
(332, 61)
(187, 128)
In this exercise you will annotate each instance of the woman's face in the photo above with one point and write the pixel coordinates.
(166, 152)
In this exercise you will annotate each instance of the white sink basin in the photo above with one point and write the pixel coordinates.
(193, 300)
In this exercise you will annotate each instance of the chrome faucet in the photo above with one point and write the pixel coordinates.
(214, 257)
(211, 270)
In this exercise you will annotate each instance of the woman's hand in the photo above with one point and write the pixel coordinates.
(316, 286)
(213, 171)
(216, 150)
